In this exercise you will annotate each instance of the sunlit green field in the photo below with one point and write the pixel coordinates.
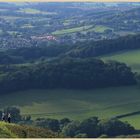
(97, 28)
(100, 28)
(34, 11)
(131, 58)
(30, 11)
(71, 30)
(133, 120)
(76, 104)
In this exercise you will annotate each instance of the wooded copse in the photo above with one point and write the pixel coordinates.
(66, 73)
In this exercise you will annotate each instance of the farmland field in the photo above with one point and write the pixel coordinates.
(76, 104)
(30, 11)
(34, 11)
(131, 58)
(71, 30)
(133, 120)
(100, 28)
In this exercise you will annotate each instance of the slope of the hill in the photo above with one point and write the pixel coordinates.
(22, 131)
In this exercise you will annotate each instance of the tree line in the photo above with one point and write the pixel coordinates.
(39, 50)
(66, 73)
(91, 127)
(98, 48)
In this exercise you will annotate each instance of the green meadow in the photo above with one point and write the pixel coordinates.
(71, 30)
(34, 11)
(131, 58)
(76, 104)
(133, 120)
(100, 28)
(97, 28)
(30, 11)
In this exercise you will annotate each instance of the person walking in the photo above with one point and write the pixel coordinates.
(3, 117)
(9, 118)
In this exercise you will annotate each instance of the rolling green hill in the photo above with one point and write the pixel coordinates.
(131, 58)
(18, 131)
(76, 104)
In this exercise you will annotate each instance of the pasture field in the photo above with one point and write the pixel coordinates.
(35, 11)
(100, 28)
(76, 104)
(131, 58)
(97, 28)
(133, 120)
(67, 22)
(71, 30)
(30, 11)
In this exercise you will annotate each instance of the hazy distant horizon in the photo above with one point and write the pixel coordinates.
(70, 1)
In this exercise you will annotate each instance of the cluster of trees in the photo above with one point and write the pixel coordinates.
(88, 128)
(91, 127)
(34, 53)
(66, 73)
(6, 59)
(93, 49)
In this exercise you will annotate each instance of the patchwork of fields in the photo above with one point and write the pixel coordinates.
(24, 22)
(82, 29)
(77, 104)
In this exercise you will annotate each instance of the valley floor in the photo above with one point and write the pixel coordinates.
(77, 104)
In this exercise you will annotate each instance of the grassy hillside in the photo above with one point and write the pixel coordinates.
(131, 57)
(76, 104)
(17, 131)
(133, 120)
(100, 28)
